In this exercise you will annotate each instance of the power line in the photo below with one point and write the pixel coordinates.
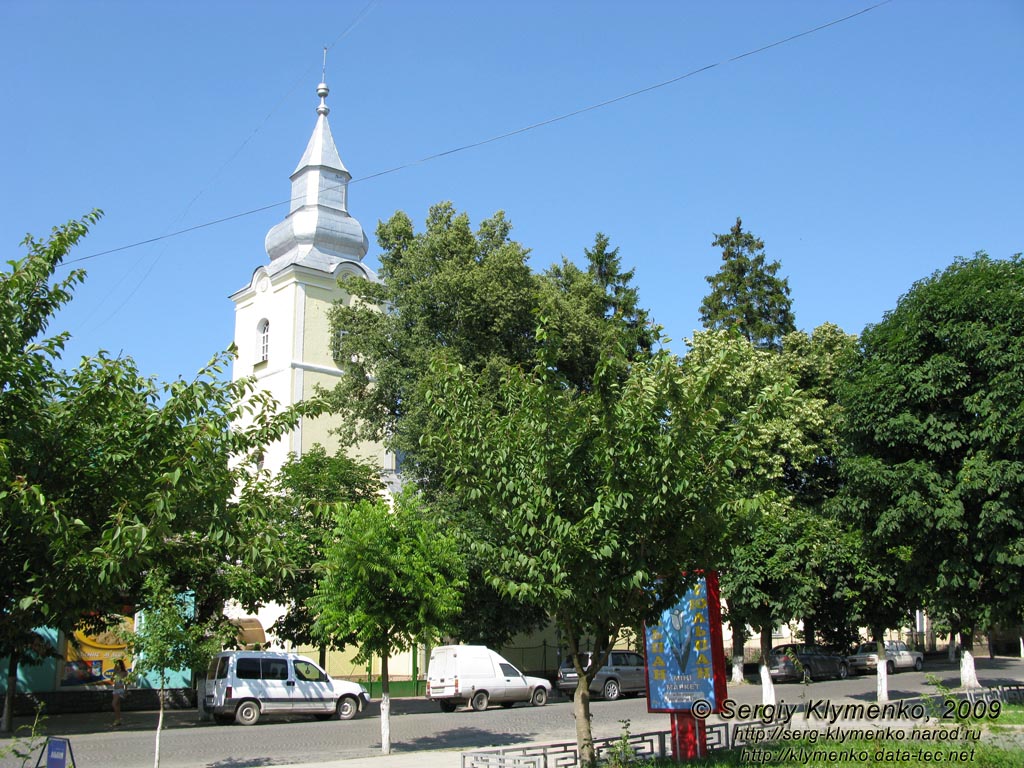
(508, 134)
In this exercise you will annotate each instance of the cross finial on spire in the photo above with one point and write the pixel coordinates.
(322, 90)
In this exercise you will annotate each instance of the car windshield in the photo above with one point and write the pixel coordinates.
(867, 648)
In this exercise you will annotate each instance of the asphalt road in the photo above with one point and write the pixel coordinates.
(418, 725)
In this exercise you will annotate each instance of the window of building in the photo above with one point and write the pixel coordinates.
(263, 349)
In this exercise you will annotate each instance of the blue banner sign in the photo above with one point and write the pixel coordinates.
(685, 660)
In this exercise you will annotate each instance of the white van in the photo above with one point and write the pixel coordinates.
(475, 675)
(245, 685)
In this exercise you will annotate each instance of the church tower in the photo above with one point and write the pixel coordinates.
(282, 328)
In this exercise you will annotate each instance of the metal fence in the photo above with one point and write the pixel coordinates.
(642, 745)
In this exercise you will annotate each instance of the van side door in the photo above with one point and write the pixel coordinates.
(313, 691)
(278, 688)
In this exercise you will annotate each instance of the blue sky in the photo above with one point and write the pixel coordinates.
(866, 155)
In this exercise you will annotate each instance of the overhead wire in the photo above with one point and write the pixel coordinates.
(138, 284)
(507, 134)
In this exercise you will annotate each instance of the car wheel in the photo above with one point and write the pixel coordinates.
(348, 708)
(446, 705)
(611, 690)
(918, 664)
(248, 713)
(890, 667)
(479, 701)
(844, 671)
(539, 698)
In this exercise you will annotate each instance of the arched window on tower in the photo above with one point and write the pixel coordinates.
(263, 347)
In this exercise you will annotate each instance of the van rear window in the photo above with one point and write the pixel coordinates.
(247, 669)
(218, 668)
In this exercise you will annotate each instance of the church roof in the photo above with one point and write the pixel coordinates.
(321, 149)
(318, 231)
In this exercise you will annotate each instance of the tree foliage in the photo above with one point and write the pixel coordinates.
(768, 576)
(469, 294)
(934, 421)
(308, 488)
(595, 501)
(105, 472)
(169, 636)
(391, 578)
(746, 294)
(471, 298)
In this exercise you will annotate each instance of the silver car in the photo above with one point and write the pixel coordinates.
(623, 673)
(897, 656)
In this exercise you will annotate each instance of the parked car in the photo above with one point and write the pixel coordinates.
(797, 661)
(475, 675)
(245, 685)
(897, 656)
(623, 673)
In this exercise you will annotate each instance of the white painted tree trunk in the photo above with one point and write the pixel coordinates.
(159, 728)
(737, 670)
(385, 723)
(968, 673)
(881, 673)
(882, 681)
(767, 686)
(1022, 646)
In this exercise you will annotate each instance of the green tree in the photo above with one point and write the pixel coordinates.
(104, 472)
(169, 637)
(391, 578)
(595, 500)
(586, 309)
(309, 487)
(469, 294)
(746, 293)
(934, 424)
(768, 528)
(472, 298)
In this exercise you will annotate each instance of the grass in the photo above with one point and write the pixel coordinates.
(832, 754)
(851, 753)
(1011, 714)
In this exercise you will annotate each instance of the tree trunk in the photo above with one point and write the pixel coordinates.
(810, 630)
(584, 733)
(385, 706)
(882, 670)
(159, 727)
(323, 657)
(767, 686)
(968, 674)
(7, 721)
(952, 641)
(739, 641)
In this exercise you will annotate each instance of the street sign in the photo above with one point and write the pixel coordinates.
(57, 752)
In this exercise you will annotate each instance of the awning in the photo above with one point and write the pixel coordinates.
(250, 632)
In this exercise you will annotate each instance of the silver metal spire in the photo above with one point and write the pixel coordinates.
(322, 90)
(318, 231)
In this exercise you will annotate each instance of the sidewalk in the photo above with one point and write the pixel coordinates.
(432, 759)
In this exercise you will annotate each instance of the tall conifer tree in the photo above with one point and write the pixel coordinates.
(747, 294)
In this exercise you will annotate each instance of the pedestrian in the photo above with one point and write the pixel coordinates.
(119, 678)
